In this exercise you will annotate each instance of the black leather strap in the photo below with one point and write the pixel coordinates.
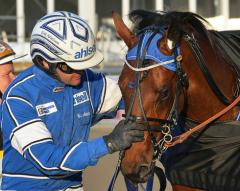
(161, 177)
(202, 64)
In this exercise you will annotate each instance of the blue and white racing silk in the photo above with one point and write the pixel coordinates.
(46, 126)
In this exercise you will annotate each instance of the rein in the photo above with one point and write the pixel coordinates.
(185, 135)
(116, 172)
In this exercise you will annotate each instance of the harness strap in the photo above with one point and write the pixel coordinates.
(140, 119)
(140, 59)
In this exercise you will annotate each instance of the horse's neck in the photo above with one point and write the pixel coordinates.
(202, 102)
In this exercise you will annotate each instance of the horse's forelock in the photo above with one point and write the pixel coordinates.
(179, 22)
(142, 19)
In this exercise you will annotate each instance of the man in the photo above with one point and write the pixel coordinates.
(7, 55)
(48, 110)
(6, 73)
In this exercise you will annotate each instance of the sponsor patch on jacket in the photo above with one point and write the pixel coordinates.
(80, 98)
(46, 109)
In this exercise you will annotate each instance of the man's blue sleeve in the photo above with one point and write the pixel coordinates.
(28, 134)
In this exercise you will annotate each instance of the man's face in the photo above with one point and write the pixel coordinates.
(66, 74)
(6, 75)
(6, 68)
(72, 79)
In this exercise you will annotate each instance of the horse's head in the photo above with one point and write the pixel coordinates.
(149, 91)
(154, 83)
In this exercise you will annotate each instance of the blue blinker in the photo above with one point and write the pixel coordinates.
(153, 52)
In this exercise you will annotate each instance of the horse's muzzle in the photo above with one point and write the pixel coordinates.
(139, 174)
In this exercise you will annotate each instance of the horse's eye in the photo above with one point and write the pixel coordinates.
(164, 93)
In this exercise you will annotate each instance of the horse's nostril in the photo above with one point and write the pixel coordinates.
(139, 174)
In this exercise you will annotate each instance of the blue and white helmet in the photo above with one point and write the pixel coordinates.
(65, 37)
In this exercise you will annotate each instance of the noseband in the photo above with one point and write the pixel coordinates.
(165, 125)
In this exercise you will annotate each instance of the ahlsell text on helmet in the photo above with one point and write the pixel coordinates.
(84, 52)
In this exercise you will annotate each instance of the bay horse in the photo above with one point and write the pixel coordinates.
(177, 74)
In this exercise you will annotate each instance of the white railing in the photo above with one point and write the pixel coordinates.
(221, 23)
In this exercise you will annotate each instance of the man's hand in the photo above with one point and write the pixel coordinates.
(123, 135)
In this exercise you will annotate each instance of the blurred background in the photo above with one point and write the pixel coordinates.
(17, 18)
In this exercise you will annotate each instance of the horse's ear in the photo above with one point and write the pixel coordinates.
(123, 31)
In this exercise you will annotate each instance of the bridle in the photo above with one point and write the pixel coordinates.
(165, 125)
